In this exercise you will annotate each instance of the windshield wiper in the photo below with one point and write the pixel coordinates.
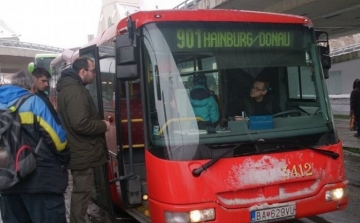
(282, 145)
(197, 172)
(332, 154)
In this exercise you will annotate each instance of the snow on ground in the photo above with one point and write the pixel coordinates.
(339, 96)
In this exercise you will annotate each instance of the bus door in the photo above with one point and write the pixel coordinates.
(111, 93)
(101, 190)
(130, 131)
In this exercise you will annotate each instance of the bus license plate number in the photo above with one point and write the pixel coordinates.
(275, 213)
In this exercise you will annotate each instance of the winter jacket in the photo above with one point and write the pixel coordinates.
(81, 119)
(204, 104)
(47, 101)
(50, 175)
(355, 103)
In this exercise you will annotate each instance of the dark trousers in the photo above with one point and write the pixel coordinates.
(33, 208)
(357, 123)
(80, 195)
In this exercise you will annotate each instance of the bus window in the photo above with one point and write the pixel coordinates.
(108, 83)
(302, 91)
(230, 72)
(301, 85)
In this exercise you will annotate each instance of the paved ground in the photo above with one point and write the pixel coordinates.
(340, 106)
(346, 135)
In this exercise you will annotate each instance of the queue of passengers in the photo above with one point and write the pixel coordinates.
(77, 143)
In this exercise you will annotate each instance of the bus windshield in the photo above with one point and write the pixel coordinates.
(211, 86)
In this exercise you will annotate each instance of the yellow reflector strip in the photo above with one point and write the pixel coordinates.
(132, 120)
(134, 146)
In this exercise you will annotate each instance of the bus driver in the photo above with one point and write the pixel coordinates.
(259, 102)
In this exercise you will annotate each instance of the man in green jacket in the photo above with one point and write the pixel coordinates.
(85, 131)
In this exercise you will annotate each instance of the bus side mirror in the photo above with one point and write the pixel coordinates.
(322, 41)
(127, 58)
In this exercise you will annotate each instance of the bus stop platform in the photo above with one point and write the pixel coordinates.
(340, 106)
(345, 135)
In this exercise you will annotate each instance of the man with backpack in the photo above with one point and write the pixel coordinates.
(39, 196)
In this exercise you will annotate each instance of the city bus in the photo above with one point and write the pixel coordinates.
(42, 60)
(167, 164)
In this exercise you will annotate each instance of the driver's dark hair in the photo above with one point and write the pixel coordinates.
(266, 83)
(81, 63)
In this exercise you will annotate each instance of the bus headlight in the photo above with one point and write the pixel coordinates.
(334, 194)
(190, 217)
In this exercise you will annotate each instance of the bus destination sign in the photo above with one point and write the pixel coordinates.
(191, 39)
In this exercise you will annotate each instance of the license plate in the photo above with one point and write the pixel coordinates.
(273, 213)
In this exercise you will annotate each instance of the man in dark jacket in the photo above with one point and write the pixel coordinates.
(259, 103)
(85, 129)
(40, 196)
(355, 106)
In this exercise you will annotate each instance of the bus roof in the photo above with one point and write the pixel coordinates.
(46, 55)
(203, 15)
(211, 15)
(65, 56)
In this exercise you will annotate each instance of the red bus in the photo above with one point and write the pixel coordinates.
(167, 164)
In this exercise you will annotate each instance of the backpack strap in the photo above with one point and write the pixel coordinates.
(15, 108)
(19, 102)
(11, 109)
(7, 123)
(36, 150)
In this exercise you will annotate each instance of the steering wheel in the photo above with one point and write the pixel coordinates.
(288, 113)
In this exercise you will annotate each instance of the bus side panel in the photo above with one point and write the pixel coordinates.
(113, 173)
(115, 191)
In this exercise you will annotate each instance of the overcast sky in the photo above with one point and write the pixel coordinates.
(60, 23)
